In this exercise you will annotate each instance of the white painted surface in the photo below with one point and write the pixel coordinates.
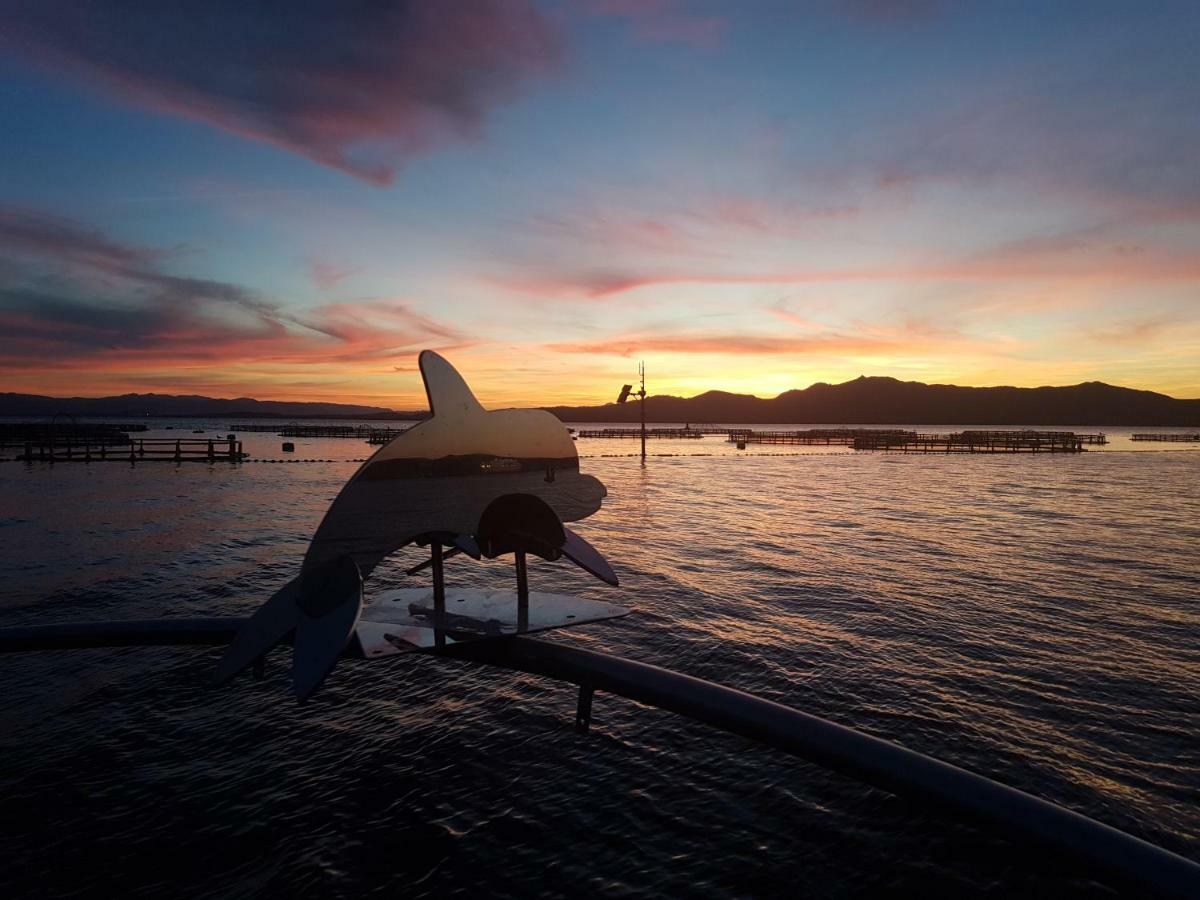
(387, 627)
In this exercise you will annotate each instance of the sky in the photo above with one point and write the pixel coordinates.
(290, 201)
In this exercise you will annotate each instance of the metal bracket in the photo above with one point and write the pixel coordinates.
(583, 709)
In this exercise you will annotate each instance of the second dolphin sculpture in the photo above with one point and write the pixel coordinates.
(486, 483)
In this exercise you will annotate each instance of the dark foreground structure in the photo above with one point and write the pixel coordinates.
(1130, 862)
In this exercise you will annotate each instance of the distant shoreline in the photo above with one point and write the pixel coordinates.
(117, 419)
(863, 401)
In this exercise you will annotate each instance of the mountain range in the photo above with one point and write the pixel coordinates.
(889, 401)
(172, 405)
(864, 401)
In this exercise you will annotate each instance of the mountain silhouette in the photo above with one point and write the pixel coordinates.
(865, 401)
(889, 401)
(140, 405)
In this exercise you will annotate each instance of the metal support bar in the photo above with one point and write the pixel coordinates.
(439, 592)
(877, 762)
(583, 709)
(522, 592)
(215, 631)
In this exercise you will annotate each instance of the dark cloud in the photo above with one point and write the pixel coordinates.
(362, 87)
(71, 296)
(26, 232)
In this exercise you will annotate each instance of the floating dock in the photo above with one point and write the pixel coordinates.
(325, 431)
(636, 433)
(1177, 437)
(138, 450)
(64, 434)
(980, 442)
(813, 436)
(380, 436)
(371, 433)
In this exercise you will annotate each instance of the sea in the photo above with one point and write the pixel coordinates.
(1034, 618)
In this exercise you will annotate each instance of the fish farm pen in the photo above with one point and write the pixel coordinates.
(65, 434)
(651, 433)
(370, 433)
(380, 436)
(825, 436)
(137, 450)
(325, 431)
(981, 442)
(1180, 437)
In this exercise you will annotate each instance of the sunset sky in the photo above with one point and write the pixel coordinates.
(205, 197)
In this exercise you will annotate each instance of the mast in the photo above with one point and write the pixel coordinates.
(642, 404)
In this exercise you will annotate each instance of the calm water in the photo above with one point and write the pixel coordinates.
(1035, 619)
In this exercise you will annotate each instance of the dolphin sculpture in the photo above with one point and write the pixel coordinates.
(433, 484)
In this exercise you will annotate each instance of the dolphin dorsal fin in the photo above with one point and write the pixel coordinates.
(447, 391)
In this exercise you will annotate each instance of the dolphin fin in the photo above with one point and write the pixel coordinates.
(587, 557)
(447, 391)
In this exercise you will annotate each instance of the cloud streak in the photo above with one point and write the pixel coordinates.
(74, 299)
(663, 22)
(857, 339)
(362, 88)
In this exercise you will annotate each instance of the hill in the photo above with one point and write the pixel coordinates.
(867, 401)
(140, 405)
(888, 401)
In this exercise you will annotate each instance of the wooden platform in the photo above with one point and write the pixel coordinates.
(636, 433)
(813, 436)
(62, 434)
(979, 442)
(372, 434)
(1176, 437)
(138, 450)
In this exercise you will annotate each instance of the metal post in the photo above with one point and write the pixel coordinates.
(439, 592)
(642, 404)
(522, 592)
(583, 709)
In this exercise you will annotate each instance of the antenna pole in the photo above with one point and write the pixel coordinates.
(439, 592)
(642, 403)
(522, 593)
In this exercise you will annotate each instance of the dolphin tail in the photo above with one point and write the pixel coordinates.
(321, 605)
(269, 625)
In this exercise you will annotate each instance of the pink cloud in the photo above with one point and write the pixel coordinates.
(911, 336)
(663, 22)
(327, 275)
(1087, 256)
(77, 300)
(362, 89)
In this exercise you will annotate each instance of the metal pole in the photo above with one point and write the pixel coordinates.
(642, 404)
(439, 592)
(1137, 863)
(522, 592)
